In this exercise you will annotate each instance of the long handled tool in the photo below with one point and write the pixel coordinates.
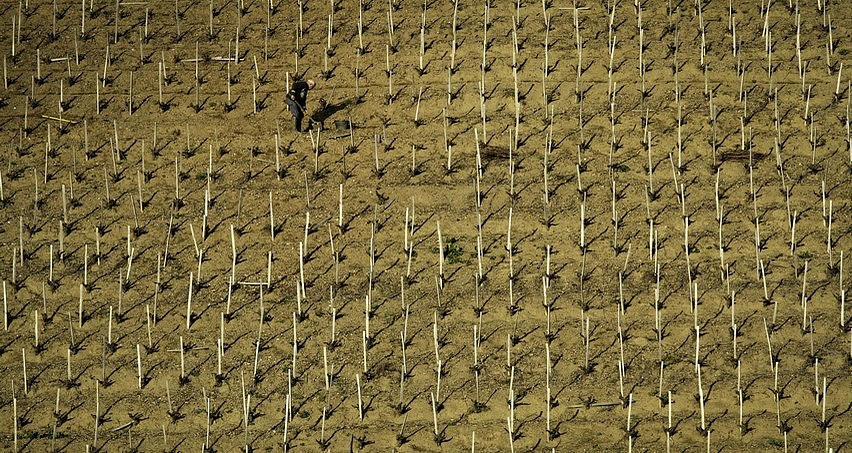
(306, 115)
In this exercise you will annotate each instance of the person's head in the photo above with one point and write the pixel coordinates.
(311, 84)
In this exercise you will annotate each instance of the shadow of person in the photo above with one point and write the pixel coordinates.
(326, 110)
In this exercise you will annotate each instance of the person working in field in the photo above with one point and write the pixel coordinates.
(297, 99)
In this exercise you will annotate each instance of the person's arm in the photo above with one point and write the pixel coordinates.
(299, 92)
(302, 95)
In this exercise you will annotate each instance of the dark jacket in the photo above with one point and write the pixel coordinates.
(299, 93)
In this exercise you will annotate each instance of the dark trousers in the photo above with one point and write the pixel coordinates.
(297, 113)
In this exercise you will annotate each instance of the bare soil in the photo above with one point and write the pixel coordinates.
(93, 155)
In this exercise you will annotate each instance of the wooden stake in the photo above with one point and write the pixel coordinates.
(189, 303)
(360, 400)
